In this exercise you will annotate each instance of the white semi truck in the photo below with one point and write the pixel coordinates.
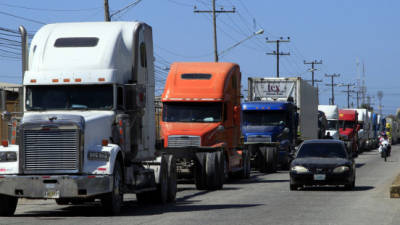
(332, 115)
(88, 127)
(363, 128)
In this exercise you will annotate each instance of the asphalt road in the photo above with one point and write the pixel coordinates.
(263, 199)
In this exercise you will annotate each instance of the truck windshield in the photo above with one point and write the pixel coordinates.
(205, 112)
(346, 124)
(263, 118)
(332, 124)
(78, 97)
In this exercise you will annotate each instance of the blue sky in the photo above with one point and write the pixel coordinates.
(338, 32)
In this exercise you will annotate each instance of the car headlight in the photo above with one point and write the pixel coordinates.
(99, 156)
(300, 169)
(341, 169)
(8, 156)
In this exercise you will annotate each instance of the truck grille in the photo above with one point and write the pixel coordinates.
(183, 141)
(259, 138)
(51, 149)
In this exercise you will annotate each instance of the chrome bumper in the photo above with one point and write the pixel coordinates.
(53, 187)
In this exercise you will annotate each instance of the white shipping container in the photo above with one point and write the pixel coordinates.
(304, 96)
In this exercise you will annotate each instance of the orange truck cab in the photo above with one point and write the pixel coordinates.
(348, 129)
(201, 122)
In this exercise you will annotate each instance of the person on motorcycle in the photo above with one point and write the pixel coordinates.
(383, 139)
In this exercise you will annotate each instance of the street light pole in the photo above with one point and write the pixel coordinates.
(240, 42)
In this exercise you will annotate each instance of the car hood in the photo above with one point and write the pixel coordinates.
(313, 162)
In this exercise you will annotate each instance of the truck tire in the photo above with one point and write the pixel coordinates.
(172, 186)
(200, 171)
(223, 170)
(212, 171)
(246, 164)
(8, 205)
(112, 202)
(162, 186)
(267, 160)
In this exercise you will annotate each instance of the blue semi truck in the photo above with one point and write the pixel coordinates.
(279, 113)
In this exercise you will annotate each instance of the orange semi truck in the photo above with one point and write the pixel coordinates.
(201, 122)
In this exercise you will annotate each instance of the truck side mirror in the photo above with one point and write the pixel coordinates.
(220, 128)
(6, 115)
(285, 130)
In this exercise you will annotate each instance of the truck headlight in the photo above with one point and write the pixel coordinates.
(344, 137)
(99, 156)
(8, 156)
(341, 169)
(299, 169)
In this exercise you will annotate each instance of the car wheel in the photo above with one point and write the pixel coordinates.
(294, 187)
(351, 185)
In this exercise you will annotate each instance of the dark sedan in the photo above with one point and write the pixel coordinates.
(322, 162)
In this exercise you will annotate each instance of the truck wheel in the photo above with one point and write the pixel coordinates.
(223, 171)
(8, 205)
(172, 186)
(162, 186)
(200, 171)
(267, 160)
(212, 171)
(260, 158)
(246, 164)
(112, 202)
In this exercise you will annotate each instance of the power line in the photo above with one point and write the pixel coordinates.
(125, 8)
(312, 68)
(49, 10)
(180, 3)
(277, 52)
(332, 86)
(22, 18)
(348, 92)
(214, 12)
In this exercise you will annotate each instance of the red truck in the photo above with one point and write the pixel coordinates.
(348, 129)
(201, 122)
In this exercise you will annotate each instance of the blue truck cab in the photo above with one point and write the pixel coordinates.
(269, 130)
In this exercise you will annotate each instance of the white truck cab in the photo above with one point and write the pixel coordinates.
(88, 128)
(332, 115)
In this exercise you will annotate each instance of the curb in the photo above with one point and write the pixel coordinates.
(395, 188)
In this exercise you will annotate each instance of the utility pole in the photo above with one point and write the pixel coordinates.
(106, 11)
(348, 93)
(312, 68)
(214, 12)
(277, 52)
(332, 85)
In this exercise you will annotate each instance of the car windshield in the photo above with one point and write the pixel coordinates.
(205, 112)
(346, 124)
(78, 97)
(263, 118)
(332, 124)
(322, 150)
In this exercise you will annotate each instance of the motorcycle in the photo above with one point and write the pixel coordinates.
(384, 148)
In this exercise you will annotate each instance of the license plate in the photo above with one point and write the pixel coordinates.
(52, 194)
(319, 176)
